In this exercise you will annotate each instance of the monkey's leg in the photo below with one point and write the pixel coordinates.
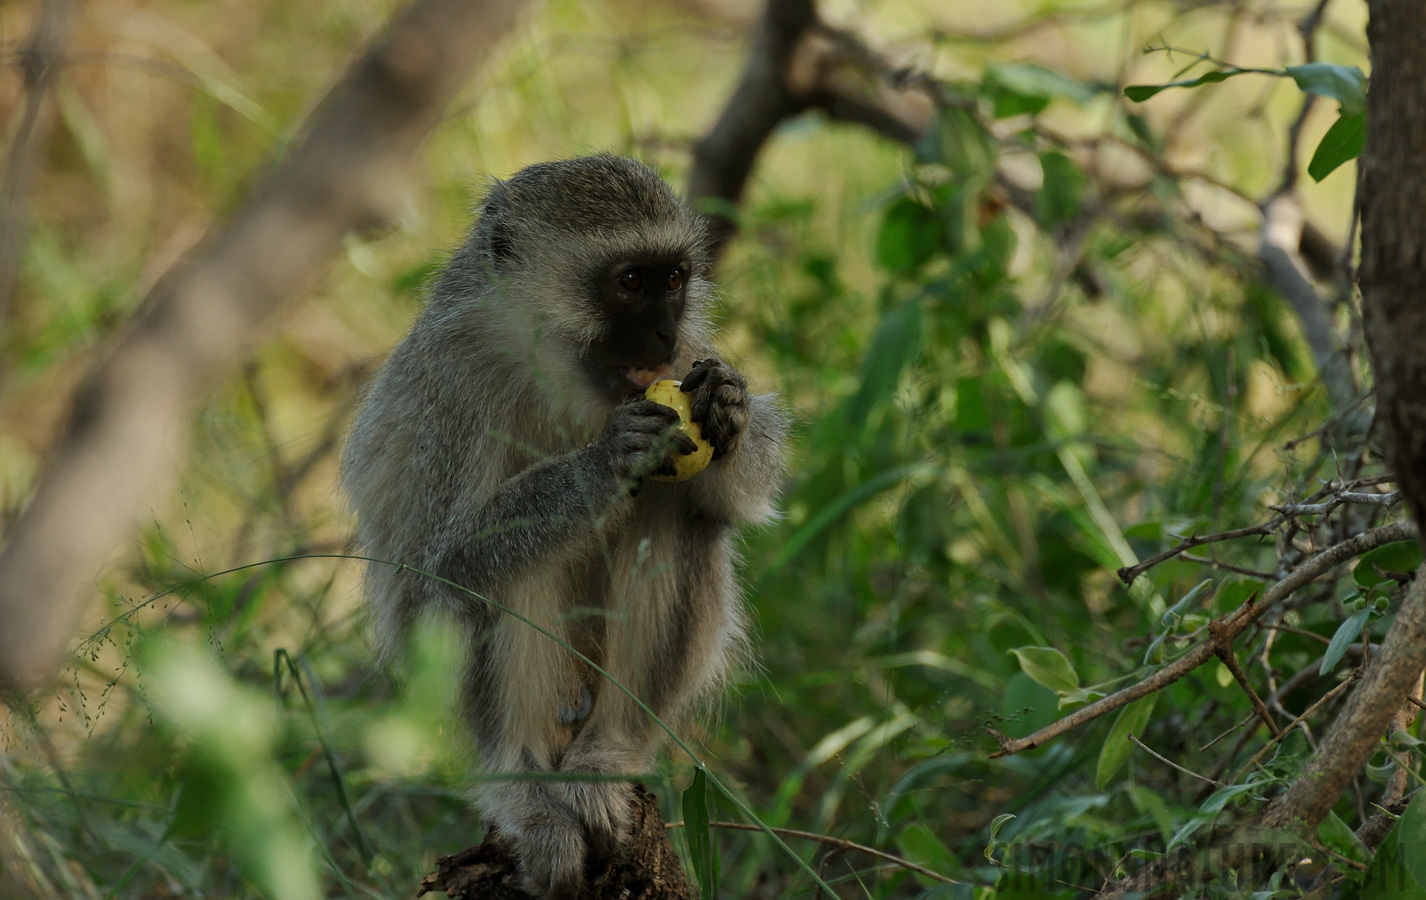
(519, 683)
(670, 638)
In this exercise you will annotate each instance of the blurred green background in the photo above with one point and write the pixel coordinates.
(996, 408)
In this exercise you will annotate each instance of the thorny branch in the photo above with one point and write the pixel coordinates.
(835, 842)
(1227, 628)
(1335, 497)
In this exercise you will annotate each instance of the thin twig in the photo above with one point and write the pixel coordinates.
(1246, 719)
(1229, 567)
(1127, 574)
(1168, 762)
(839, 843)
(1223, 649)
(1234, 624)
(1294, 723)
(1385, 501)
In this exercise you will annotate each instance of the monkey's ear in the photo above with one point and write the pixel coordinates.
(502, 248)
(493, 222)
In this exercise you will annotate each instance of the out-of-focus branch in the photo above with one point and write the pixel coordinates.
(1285, 270)
(348, 169)
(798, 63)
(40, 63)
(723, 159)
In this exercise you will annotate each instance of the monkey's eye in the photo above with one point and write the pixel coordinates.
(675, 279)
(631, 280)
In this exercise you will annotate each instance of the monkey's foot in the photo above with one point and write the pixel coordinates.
(645, 869)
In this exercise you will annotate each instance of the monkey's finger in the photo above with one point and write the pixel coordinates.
(654, 421)
(695, 378)
(649, 409)
(703, 400)
(667, 467)
(683, 443)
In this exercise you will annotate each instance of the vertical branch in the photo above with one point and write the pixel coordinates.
(723, 158)
(1393, 282)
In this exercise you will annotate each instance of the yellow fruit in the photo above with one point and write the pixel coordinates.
(666, 392)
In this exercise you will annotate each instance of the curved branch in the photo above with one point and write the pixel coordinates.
(798, 63)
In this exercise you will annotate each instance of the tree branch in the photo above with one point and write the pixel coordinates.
(1393, 281)
(1286, 272)
(798, 63)
(1226, 629)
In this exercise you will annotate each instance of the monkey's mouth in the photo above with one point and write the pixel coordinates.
(642, 378)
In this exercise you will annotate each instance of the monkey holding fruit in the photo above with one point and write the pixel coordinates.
(507, 446)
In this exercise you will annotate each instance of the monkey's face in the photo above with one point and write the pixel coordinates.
(640, 302)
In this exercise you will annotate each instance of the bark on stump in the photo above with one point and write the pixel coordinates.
(647, 869)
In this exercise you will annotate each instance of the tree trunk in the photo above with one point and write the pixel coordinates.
(1393, 283)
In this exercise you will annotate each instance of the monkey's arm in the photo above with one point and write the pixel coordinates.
(531, 518)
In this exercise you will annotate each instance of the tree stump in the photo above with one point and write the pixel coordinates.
(647, 869)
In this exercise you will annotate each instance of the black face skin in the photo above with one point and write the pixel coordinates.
(641, 301)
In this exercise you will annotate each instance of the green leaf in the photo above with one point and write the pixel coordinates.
(1047, 666)
(1338, 837)
(959, 142)
(1065, 416)
(1220, 798)
(1347, 632)
(1174, 614)
(896, 345)
(996, 824)
(1345, 84)
(1017, 88)
(1141, 92)
(1344, 141)
(1132, 719)
(1185, 832)
(1398, 871)
(700, 838)
(1402, 556)
(1059, 196)
(1411, 833)
(910, 234)
(920, 844)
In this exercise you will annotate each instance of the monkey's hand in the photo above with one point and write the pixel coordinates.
(638, 439)
(720, 403)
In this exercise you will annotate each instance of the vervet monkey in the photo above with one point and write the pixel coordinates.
(504, 446)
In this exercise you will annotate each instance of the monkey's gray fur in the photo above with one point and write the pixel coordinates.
(485, 453)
